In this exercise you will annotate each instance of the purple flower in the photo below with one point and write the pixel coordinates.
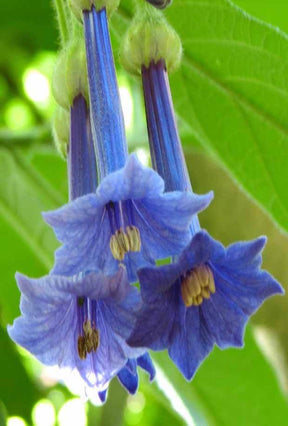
(129, 219)
(204, 298)
(80, 322)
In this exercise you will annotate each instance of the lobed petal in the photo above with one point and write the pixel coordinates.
(225, 320)
(191, 343)
(47, 326)
(145, 362)
(155, 321)
(134, 181)
(164, 221)
(128, 378)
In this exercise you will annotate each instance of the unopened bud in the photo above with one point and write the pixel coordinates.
(78, 6)
(150, 38)
(70, 75)
(61, 130)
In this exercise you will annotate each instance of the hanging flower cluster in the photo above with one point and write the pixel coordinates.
(86, 314)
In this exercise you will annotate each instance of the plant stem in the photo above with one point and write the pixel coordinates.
(62, 11)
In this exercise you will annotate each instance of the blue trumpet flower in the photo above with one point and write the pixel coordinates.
(80, 322)
(129, 219)
(208, 293)
(203, 298)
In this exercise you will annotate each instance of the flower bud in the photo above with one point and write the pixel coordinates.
(70, 75)
(61, 130)
(150, 38)
(78, 6)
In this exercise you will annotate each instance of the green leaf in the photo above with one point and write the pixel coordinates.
(232, 91)
(29, 243)
(17, 392)
(22, 199)
(232, 387)
(33, 26)
(273, 12)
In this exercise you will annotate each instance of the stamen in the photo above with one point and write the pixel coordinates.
(198, 284)
(123, 242)
(134, 238)
(88, 341)
(82, 352)
(118, 244)
(95, 339)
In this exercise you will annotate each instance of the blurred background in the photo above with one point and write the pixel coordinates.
(251, 385)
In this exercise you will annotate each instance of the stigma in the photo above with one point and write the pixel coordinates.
(197, 285)
(123, 242)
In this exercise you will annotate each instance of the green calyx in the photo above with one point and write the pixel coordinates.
(61, 130)
(70, 74)
(150, 38)
(78, 6)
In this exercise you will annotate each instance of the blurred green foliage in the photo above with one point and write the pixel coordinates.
(232, 387)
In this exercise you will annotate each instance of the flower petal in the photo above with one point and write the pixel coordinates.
(134, 181)
(156, 280)
(163, 221)
(202, 248)
(48, 323)
(145, 362)
(128, 380)
(191, 343)
(245, 288)
(246, 254)
(155, 321)
(103, 395)
(225, 320)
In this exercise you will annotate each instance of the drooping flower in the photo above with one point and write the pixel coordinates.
(204, 298)
(129, 219)
(80, 322)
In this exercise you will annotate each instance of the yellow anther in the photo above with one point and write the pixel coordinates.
(87, 327)
(134, 238)
(95, 339)
(198, 300)
(89, 342)
(211, 283)
(116, 249)
(205, 293)
(186, 294)
(82, 352)
(123, 242)
(198, 284)
(202, 272)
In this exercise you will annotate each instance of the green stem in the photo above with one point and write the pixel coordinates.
(63, 18)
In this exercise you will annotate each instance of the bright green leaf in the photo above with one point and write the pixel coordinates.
(15, 381)
(232, 91)
(28, 243)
